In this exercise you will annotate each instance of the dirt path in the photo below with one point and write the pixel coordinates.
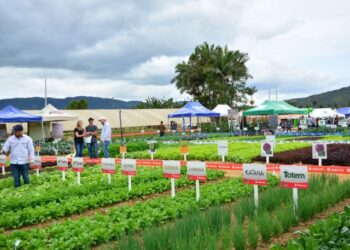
(104, 210)
(283, 238)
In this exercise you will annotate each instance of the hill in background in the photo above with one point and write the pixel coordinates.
(37, 103)
(333, 99)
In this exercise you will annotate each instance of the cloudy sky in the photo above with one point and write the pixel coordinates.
(128, 49)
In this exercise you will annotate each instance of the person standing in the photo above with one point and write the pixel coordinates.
(21, 150)
(79, 133)
(161, 129)
(106, 135)
(91, 130)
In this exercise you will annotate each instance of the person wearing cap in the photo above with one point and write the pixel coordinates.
(21, 149)
(106, 135)
(91, 131)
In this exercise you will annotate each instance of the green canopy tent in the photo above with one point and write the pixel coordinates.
(274, 108)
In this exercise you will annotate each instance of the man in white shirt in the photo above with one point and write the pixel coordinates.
(21, 151)
(106, 135)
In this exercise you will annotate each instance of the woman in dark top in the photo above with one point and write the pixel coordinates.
(79, 133)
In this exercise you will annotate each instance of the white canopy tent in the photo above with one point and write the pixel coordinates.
(325, 113)
(49, 114)
(222, 109)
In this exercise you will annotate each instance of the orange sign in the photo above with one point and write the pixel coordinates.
(122, 149)
(184, 150)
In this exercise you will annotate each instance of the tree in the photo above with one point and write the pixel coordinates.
(78, 104)
(214, 75)
(154, 103)
(251, 91)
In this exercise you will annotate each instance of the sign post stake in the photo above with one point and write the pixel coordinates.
(3, 170)
(223, 158)
(37, 172)
(109, 178)
(256, 196)
(172, 170)
(295, 199)
(129, 183)
(197, 190)
(151, 156)
(123, 155)
(172, 187)
(63, 175)
(78, 178)
(185, 157)
(319, 161)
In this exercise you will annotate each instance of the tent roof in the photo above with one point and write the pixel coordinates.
(274, 108)
(50, 113)
(222, 109)
(324, 112)
(344, 110)
(193, 109)
(12, 114)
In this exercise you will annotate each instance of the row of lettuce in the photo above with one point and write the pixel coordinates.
(274, 216)
(50, 198)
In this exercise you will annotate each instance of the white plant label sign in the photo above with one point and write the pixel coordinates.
(319, 150)
(294, 176)
(223, 148)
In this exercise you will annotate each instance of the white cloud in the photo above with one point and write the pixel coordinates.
(129, 49)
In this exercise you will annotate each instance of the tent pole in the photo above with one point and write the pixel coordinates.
(183, 124)
(42, 129)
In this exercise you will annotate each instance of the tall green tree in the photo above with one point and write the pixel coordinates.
(78, 104)
(251, 91)
(214, 75)
(155, 103)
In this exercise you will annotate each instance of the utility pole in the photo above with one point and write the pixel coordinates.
(269, 96)
(45, 93)
(276, 94)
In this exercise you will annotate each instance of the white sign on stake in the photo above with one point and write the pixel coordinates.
(271, 138)
(295, 177)
(62, 165)
(37, 164)
(267, 149)
(196, 170)
(3, 163)
(172, 170)
(78, 167)
(108, 167)
(255, 174)
(223, 149)
(129, 169)
(319, 151)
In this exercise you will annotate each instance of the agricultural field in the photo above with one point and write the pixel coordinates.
(52, 213)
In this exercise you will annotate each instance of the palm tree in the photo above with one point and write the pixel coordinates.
(213, 75)
(251, 91)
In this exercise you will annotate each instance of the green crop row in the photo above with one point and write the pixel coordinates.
(239, 152)
(332, 233)
(87, 232)
(242, 225)
(58, 201)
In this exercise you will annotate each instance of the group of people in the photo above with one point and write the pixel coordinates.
(89, 133)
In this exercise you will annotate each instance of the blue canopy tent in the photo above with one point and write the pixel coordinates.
(10, 114)
(344, 111)
(193, 109)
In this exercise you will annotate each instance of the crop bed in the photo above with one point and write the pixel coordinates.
(100, 228)
(332, 233)
(49, 197)
(338, 154)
